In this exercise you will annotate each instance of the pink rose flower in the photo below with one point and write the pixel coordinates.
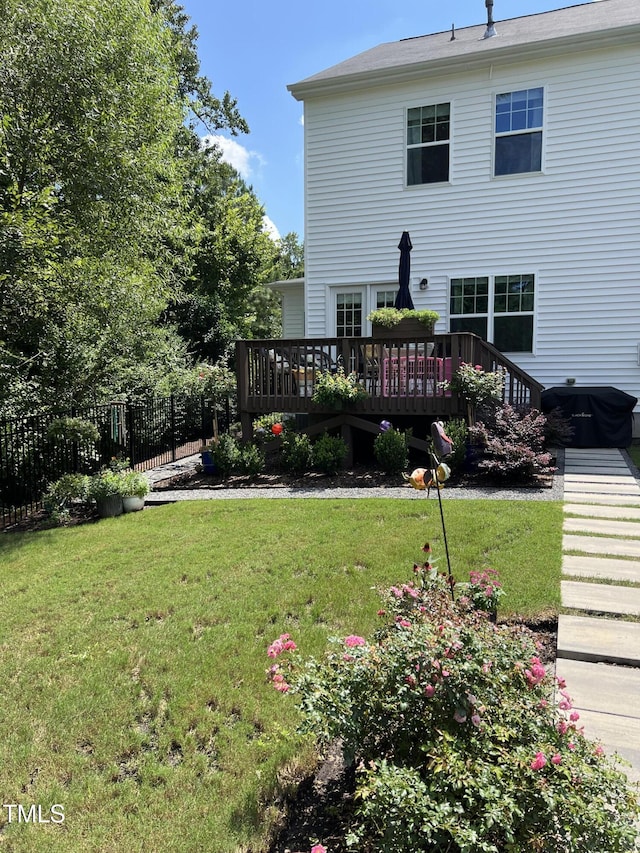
(318, 848)
(352, 640)
(556, 759)
(538, 762)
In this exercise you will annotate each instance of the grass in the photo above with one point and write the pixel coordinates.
(133, 652)
(634, 452)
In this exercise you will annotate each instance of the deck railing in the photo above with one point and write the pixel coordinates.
(402, 377)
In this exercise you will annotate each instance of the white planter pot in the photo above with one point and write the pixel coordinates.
(132, 503)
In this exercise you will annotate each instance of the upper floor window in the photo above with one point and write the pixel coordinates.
(428, 144)
(519, 132)
(499, 309)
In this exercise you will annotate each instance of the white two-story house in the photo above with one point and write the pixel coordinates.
(513, 160)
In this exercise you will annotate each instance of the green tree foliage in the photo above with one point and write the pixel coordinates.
(105, 211)
(290, 259)
(233, 256)
(88, 188)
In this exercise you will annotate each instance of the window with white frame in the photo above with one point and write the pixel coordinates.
(349, 315)
(386, 298)
(428, 130)
(500, 309)
(519, 131)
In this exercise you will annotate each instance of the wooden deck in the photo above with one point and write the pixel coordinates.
(403, 377)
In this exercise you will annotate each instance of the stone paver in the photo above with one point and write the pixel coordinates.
(594, 639)
(601, 545)
(604, 568)
(629, 488)
(599, 511)
(601, 598)
(600, 499)
(619, 688)
(609, 526)
(599, 478)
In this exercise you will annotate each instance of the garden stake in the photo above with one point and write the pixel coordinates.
(434, 479)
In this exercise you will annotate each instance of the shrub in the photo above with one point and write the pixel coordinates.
(329, 453)
(73, 429)
(458, 740)
(391, 451)
(134, 484)
(225, 454)
(334, 389)
(252, 460)
(106, 484)
(513, 444)
(69, 489)
(296, 452)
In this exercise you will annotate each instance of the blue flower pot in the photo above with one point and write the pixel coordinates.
(208, 465)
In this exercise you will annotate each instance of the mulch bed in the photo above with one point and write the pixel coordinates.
(357, 477)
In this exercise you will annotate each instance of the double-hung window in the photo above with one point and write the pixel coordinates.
(428, 130)
(518, 145)
(500, 309)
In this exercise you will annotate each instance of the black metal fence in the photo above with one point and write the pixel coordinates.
(148, 433)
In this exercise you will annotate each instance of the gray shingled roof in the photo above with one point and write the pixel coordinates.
(603, 20)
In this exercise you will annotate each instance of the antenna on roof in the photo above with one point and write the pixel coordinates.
(491, 30)
(453, 32)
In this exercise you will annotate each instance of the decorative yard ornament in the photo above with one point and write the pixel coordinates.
(276, 429)
(385, 426)
(443, 472)
(416, 479)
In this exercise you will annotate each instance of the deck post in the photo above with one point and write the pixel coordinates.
(346, 433)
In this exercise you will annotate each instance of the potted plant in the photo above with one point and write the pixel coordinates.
(402, 322)
(135, 487)
(105, 488)
(334, 390)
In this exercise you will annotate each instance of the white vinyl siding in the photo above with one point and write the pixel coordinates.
(576, 223)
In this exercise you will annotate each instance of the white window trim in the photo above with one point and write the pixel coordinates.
(445, 99)
(334, 290)
(491, 314)
(515, 88)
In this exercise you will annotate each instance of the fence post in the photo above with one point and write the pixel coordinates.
(173, 428)
(130, 434)
(203, 417)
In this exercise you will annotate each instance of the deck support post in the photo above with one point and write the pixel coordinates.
(347, 436)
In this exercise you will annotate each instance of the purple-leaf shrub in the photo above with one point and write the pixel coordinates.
(512, 444)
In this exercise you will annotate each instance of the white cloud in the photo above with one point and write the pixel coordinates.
(236, 155)
(270, 228)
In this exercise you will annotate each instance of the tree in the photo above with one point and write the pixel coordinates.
(290, 260)
(233, 257)
(95, 148)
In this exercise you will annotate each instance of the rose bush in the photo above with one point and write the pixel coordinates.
(459, 740)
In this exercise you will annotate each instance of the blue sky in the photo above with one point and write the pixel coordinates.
(253, 50)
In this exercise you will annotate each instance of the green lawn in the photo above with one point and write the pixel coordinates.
(133, 688)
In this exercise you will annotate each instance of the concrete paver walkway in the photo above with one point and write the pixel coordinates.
(599, 644)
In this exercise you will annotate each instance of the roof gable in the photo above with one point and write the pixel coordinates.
(592, 23)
